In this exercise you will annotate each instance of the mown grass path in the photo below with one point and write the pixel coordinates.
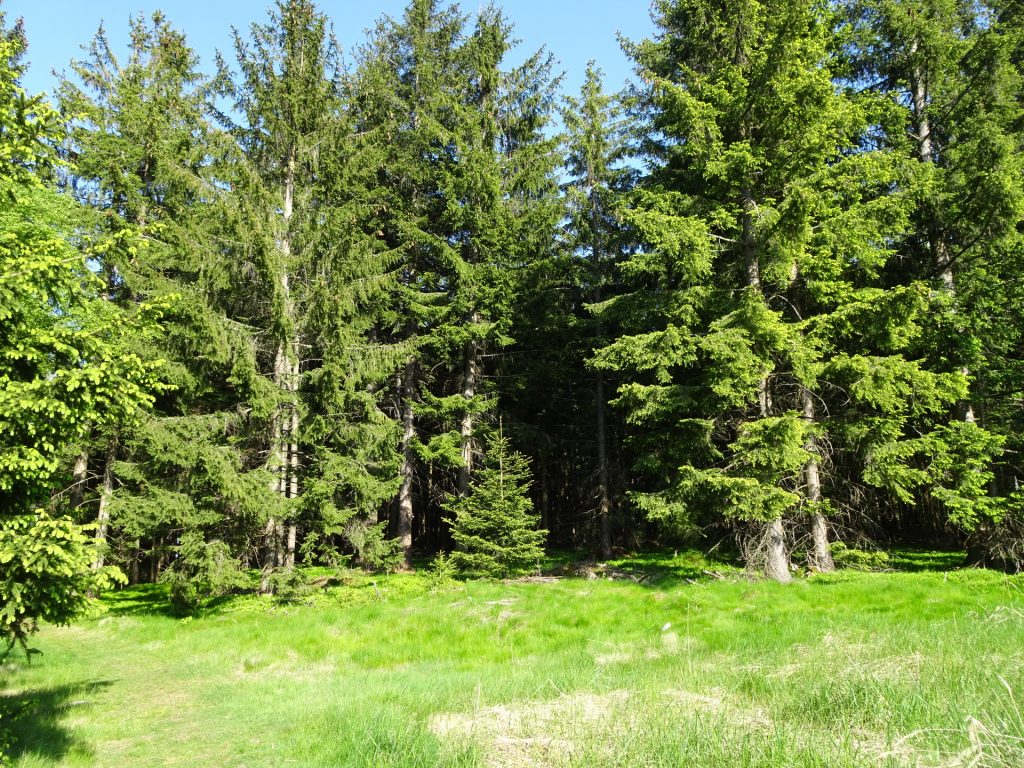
(850, 670)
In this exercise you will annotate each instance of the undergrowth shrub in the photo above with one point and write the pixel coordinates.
(202, 569)
(374, 550)
(441, 574)
(858, 559)
(999, 544)
(46, 574)
(290, 586)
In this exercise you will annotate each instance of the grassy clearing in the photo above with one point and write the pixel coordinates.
(855, 669)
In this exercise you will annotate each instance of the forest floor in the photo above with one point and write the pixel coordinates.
(678, 662)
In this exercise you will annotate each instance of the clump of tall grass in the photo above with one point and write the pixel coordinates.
(997, 741)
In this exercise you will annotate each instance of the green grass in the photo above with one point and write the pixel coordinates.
(852, 669)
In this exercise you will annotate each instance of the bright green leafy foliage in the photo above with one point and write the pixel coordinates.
(46, 574)
(495, 525)
(64, 364)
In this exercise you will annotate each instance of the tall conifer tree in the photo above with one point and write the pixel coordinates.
(142, 149)
(465, 195)
(948, 69)
(285, 93)
(407, 74)
(753, 256)
(596, 145)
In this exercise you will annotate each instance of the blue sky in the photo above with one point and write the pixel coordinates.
(573, 30)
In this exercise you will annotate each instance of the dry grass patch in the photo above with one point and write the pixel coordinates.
(554, 733)
(544, 733)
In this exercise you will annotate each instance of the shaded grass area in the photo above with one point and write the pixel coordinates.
(666, 567)
(35, 718)
(139, 600)
(850, 669)
(917, 560)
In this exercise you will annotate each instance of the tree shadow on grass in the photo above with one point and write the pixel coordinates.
(138, 600)
(689, 566)
(654, 569)
(155, 600)
(914, 560)
(31, 722)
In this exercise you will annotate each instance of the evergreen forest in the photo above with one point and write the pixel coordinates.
(414, 306)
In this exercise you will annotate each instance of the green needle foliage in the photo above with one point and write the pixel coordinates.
(952, 76)
(596, 145)
(495, 526)
(790, 334)
(744, 122)
(145, 156)
(464, 198)
(269, 315)
(284, 95)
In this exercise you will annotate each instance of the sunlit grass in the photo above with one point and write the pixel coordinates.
(678, 668)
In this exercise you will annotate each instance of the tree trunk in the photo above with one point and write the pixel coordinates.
(79, 478)
(403, 528)
(751, 262)
(293, 481)
(469, 379)
(545, 499)
(103, 517)
(277, 464)
(604, 510)
(821, 555)
(133, 575)
(283, 462)
(925, 153)
(291, 384)
(269, 554)
(291, 533)
(936, 234)
(293, 427)
(776, 563)
(776, 554)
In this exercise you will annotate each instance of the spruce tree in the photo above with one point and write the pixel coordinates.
(596, 145)
(494, 523)
(405, 81)
(507, 209)
(352, 471)
(464, 196)
(949, 67)
(285, 92)
(740, 293)
(180, 483)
